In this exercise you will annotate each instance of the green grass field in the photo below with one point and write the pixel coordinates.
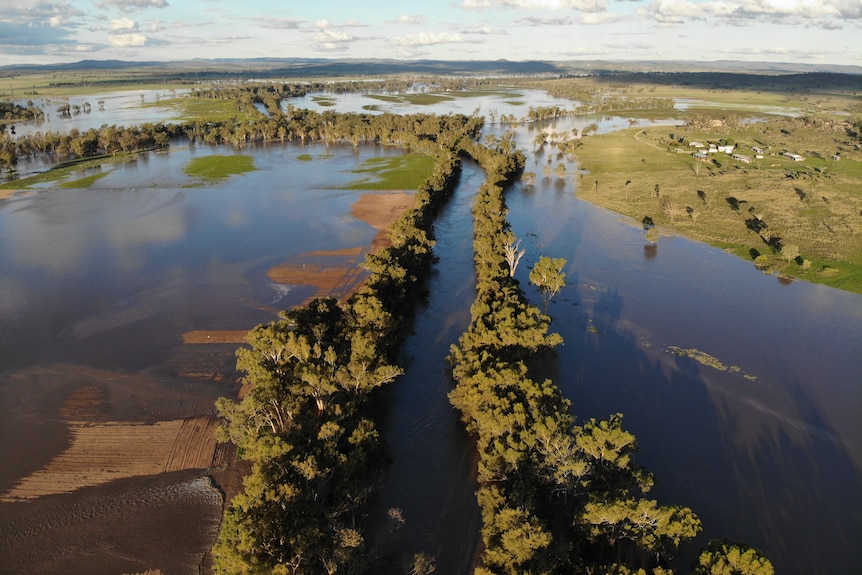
(58, 84)
(214, 168)
(85, 182)
(773, 206)
(393, 173)
(188, 109)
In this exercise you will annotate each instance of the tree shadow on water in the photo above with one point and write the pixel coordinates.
(757, 463)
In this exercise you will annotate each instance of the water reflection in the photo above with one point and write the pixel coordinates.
(768, 452)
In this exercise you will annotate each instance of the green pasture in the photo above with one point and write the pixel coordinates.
(66, 170)
(188, 109)
(324, 101)
(211, 169)
(804, 218)
(392, 173)
(59, 84)
(423, 99)
(85, 182)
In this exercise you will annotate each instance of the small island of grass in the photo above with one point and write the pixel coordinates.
(393, 173)
(219, 167)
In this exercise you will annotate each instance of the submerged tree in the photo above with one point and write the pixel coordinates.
(548, 276)
(512, 253)
(723, 558)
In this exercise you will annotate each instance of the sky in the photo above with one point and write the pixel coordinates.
(797, 31)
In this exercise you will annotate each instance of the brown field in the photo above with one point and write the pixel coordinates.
(380, 210)
(103, 452)
(337, 273)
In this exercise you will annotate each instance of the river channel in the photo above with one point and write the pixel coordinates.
(764, 443)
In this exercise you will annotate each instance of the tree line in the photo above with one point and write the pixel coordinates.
(248, 126)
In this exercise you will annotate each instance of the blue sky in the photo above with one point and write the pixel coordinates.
(800, 31)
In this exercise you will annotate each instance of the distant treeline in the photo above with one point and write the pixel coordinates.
(250, 125)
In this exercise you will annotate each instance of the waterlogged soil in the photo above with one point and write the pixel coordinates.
(122, 306)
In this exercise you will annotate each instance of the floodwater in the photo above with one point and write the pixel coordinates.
(767, 450)
(123, 108)
(139, 250)
(432, 476)
(766, 447)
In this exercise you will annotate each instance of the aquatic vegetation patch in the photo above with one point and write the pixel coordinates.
(704, 358)
(84, 182)
(304, 157)
(218, 167)
(325, 101)
(64, 171)
(419, 99)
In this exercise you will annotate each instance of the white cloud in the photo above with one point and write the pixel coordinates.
(822, 13)
(540, 5)
(279, 23)
(595, 18)
(128, 6)
(416, 19)
(485, 30)
(545, 21)
(330, 40)
(123, 24)
(426, 39)
(476, 4)
(674, 11)
(124, 32)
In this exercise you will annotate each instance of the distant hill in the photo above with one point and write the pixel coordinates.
(322, 67)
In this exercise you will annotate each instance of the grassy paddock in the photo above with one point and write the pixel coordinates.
(415, 99)
(217, 167)
(66, 170)
(188, 109)
(813, 207)
(85, 182)
(393, 173)
(59, 84)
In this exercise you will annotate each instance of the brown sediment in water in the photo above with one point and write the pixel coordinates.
(380, 210)
(104, 452)
(337, 273)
